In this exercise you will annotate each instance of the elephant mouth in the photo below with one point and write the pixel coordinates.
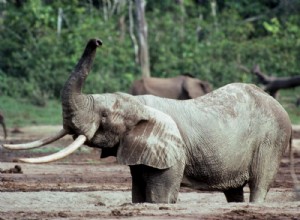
(98, 42)
(78, 142)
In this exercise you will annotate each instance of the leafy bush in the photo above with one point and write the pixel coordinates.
(36, 58)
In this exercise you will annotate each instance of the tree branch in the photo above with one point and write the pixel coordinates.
(272, 84)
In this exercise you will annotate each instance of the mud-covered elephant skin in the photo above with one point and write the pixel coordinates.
(232, 136)
(180, 87)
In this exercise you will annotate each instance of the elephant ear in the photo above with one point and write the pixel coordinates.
(155, 142)
(194, 87)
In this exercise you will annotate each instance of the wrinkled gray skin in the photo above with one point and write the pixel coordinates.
(180, 87)
(2, 122)
(232, 136)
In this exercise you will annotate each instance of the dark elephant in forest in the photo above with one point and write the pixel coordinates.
(181, 87)
(2, 122)
(233, 136)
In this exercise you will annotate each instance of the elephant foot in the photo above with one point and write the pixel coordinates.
(258, 195)
(234, 195)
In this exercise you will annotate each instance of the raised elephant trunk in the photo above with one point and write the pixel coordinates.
(71, 91)
(71, 97)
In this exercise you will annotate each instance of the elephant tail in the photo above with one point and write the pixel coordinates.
(292, 168)
(4, 129)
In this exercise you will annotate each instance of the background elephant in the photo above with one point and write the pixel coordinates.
(233, 136)
(2, 122)
(180, 87)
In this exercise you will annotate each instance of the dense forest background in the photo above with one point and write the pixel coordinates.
(41, 41)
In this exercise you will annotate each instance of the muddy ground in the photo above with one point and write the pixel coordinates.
(84, 187)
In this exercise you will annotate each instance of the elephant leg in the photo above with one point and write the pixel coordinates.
(235, 195)
(138, 185)
(154, 185)
(163, 185)
(263, 172)
(258, 194)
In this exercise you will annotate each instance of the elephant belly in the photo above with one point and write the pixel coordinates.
(216, 180)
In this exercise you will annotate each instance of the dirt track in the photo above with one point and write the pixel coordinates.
(84, 187)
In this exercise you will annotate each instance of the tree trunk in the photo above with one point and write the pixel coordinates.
(122, 28)
(143, 38)
(181, 18)
(59, 21)
(131, 33)
(121, 10)
(213, 5)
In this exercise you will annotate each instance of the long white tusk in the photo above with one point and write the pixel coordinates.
(36, 144)
(58, 155)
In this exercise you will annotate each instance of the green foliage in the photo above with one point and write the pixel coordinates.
(36, 58)
(273, 27)
(288, 99)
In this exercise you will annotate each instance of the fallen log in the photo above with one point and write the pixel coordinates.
(272, 84)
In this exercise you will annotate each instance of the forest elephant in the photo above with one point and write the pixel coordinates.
(180, 87)
(233, 136)
(2, 122)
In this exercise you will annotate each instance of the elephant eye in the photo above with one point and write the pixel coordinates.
(104, 114)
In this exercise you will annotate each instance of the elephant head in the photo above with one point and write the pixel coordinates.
(111, 121)
(194, 88)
